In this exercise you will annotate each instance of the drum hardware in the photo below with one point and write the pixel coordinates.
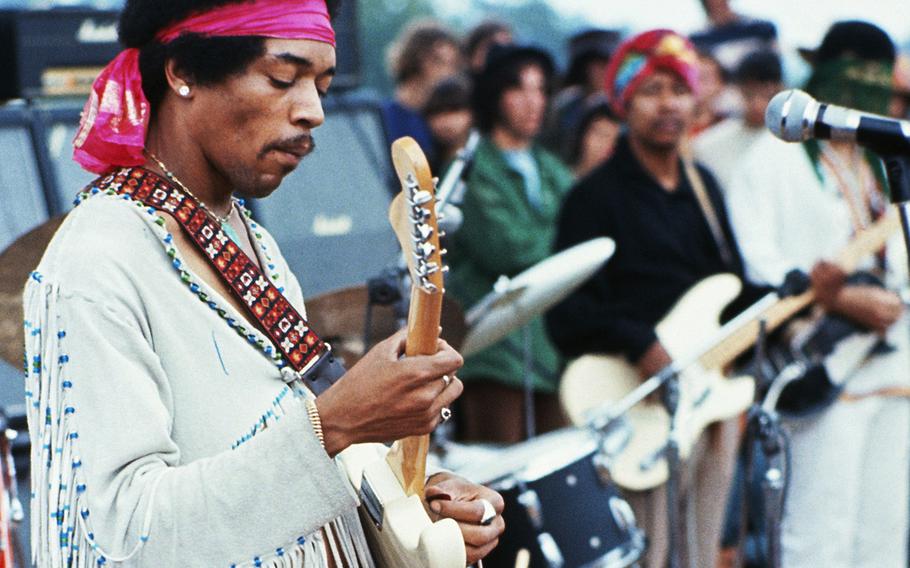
(560, 504)
(16, 512)
(764, 427)
(523, 558)
(529, 499)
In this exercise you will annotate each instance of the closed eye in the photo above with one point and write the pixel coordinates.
(279, 84)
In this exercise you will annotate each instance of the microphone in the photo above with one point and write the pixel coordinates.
(794, 116)
(450, 190)
(447, 188)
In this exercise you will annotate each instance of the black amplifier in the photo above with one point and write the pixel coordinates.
(60, 51)
(54, 52)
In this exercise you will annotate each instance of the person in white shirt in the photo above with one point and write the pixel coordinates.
(722, 147)
(796, 206)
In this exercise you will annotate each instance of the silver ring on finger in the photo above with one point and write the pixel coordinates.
(447, 380)
(489, 513)
(445, 413)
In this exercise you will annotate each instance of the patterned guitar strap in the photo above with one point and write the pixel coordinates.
(304, 352)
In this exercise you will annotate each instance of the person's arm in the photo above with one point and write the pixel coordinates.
(102, 409)
(101, 405)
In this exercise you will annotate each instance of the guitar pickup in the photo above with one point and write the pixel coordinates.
(371, 503)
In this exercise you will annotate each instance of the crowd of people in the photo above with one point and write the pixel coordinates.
(658, 141)
(183, 413)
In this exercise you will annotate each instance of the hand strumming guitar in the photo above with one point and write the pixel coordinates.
(455, 497)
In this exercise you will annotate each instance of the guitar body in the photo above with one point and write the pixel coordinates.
(705, 395)
(406, 538)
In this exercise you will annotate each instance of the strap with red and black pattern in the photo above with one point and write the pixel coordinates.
(262, 300)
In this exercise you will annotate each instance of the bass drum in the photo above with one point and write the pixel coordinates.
(560, 507)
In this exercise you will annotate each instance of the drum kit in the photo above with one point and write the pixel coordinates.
(562, 509)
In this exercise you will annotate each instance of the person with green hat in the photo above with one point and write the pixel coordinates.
(795, 206)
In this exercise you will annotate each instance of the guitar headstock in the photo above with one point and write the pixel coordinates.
(414, 218)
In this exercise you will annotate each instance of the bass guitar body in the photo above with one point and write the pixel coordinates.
(597, 381)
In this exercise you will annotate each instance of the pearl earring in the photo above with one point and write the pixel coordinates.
(184, 91)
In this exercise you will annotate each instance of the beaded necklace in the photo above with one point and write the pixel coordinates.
(225, 221)
(298, 345)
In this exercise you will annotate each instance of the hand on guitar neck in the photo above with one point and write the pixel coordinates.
(385, 397)
(871, 306)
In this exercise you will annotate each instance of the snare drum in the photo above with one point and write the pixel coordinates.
(559, 505)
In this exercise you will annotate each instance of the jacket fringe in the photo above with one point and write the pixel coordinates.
(61, 525)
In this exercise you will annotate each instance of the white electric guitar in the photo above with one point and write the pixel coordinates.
(691, 332)
(390, 482)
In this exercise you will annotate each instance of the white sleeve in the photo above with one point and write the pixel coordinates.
(108, 477)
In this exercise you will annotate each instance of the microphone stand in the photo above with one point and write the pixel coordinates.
(452, 185)
(897, 167)
(676, 523)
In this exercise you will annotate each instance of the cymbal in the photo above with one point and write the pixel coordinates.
(16, 263)
(516, 301)
(339, 317)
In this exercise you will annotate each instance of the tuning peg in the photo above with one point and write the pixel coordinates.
(419, 214)
(427, 268)
(443, 252)
(445, 269)
(421, 197)
(427, 285)
(424, 250)
(442, 233)
(422, 232)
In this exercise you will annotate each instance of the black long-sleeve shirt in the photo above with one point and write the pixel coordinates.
(664, 247)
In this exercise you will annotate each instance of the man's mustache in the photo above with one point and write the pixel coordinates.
(299, 145)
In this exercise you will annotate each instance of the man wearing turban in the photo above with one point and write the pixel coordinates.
(666, 242)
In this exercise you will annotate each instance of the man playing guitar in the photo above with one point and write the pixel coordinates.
(671, 232)
(173, 382)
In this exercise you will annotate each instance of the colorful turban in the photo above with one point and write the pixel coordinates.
(115, 119)
(639, 57)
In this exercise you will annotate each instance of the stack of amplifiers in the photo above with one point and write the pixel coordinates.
(60, 51)
(54, 52)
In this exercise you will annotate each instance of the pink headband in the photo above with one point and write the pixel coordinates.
(116, 115)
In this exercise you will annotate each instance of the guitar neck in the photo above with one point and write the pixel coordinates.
(736, 343)
(408, 457)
